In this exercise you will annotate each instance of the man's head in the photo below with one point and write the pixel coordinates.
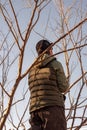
(42, 45)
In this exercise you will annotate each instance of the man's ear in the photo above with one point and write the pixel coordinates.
(51, 52)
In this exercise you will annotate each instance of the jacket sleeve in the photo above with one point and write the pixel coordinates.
(61, 78)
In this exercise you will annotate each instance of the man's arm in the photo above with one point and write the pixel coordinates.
(61, 78)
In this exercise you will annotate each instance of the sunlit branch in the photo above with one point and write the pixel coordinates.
(3, 119)
(16, 19)
(54, 44)
(7, 54)
(4, 90)
(10, 27)
(12, 122)
(79, 24)
(75, 110)
(82, 124)
(75, 82)
(30, 23)
(24, 113)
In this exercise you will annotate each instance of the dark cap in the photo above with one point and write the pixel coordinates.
(42, 45)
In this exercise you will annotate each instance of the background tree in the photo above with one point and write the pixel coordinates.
(25, 22)
(74, 61)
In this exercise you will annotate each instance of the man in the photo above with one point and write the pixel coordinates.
(47, 82)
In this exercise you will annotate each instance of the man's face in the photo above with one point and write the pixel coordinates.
(51, 51)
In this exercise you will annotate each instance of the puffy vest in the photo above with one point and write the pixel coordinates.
(43, 88)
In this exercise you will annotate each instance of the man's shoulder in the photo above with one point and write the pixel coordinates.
(56, 64)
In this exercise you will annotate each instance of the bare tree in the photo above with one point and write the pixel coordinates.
(71, 43)
(20, 41)
(74, 61)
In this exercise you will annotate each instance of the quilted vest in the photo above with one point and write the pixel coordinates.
(43, 88)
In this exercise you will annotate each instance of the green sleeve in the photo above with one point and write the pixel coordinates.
(61, 78)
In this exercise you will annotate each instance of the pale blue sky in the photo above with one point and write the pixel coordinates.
(30, 53)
